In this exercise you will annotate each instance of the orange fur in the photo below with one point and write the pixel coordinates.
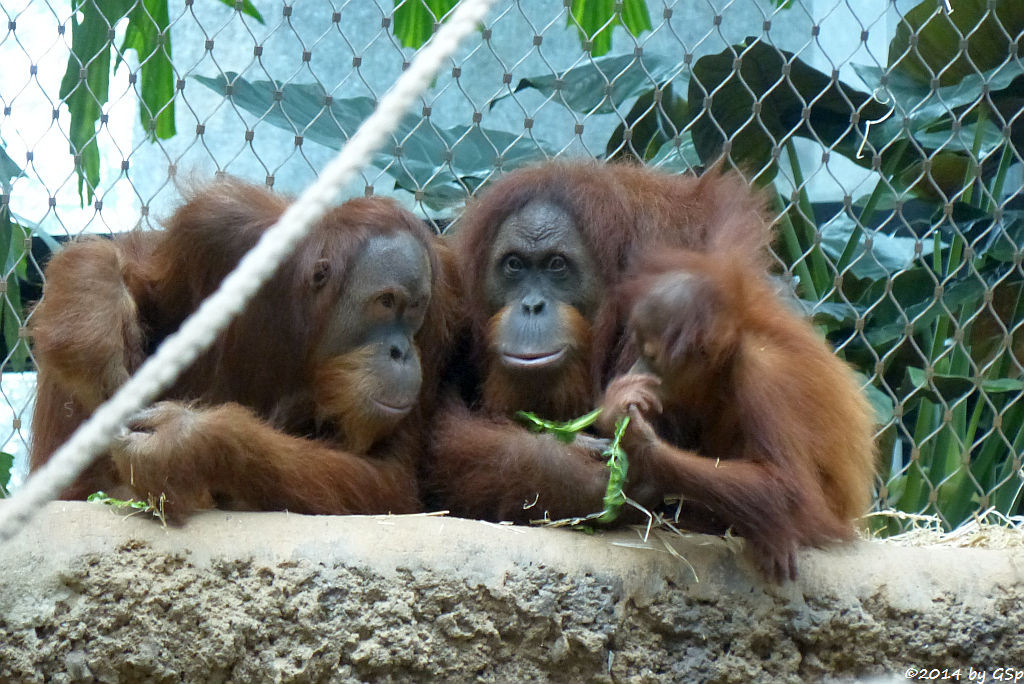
(485, 465)
(340, 389)
(257, 435)
(769, 431)
(569, 387)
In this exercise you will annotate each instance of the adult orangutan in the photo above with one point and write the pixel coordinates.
(313, 400)
(737, 405)
(541, 253)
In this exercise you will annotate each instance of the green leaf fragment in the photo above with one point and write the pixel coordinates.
(618, 466)
(103, 498)
(564, 431)
(6, 463)
(245, 7)
(617, 463)
(415, 19)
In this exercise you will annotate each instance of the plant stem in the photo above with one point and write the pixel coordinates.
(997, 182)
(818, 265)
(974, 165)
(796, 255)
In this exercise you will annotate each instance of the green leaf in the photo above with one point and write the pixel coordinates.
(8, 171)
(6, 463)
(415, 19)
(927, 39)
(657, 117)
(635, 16)
(618, 467)
(877, 256)
(942, 137)
(442, 164)
(950, 386)
(880, 401)
(922, 105)
(677, 155)
(149, 35)
(246, 8)
(13, 239)
(565, 431)
(754, 97)
(84, 87)
(103, 498)
(918, 304)
(999, 385)
(595, 20)
(601, 85)
(839, 313)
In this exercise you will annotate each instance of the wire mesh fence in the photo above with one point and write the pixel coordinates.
(889, 134)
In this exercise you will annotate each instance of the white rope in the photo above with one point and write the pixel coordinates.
(209, 320)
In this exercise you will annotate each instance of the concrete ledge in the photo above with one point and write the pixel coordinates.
(87, 594)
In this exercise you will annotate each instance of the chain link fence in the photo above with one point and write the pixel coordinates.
(889, 133)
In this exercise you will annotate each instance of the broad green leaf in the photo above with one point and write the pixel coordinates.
(918, 304)
(880, 401)
(950, 386)
(677, 155)
(927, 39)
(839, 313)
(84, 87)
(414, 19)
(12, 315)
(602, 85)
(657, 117)
(877, 256)
(6, 463)
(148, 34)
(440, 163)
(245, 7)
(754, 97)
(922, 111)
(595, 21)
(8, 171)
(636, 17)
(943, 137)
(920, 104)
(1002, 385)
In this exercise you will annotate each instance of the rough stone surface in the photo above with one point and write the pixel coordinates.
(87, 594)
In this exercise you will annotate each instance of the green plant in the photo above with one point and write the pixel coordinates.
(416, 20)
(85, 86)
(15, 243)
(617, 460)
(6, 463)
(918, 283)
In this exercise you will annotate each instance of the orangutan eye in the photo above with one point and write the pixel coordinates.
(512, 265)
(557, 264)
(387, 300)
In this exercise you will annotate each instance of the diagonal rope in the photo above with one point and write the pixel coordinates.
(198, 332)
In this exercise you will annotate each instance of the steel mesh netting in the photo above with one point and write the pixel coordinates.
(888, 132)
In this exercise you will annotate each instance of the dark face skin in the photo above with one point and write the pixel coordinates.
(380, 310)
(539, 264)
